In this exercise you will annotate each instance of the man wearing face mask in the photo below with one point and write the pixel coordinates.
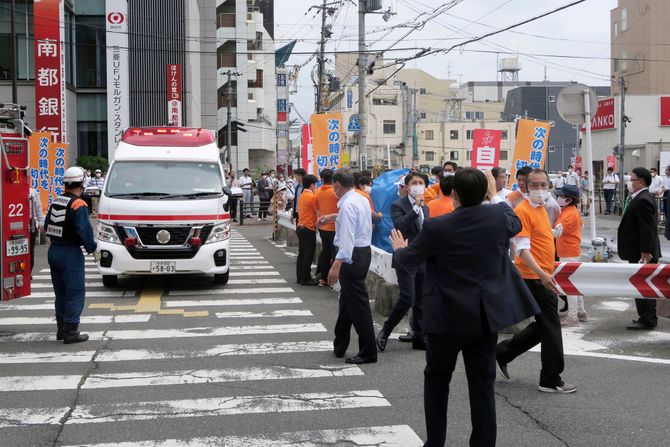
(638, 239)
(535, 257)
(364, 188)
(409, 215)
(571, 178)
(433, 191)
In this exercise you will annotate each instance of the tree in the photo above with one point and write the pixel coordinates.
(92, 162)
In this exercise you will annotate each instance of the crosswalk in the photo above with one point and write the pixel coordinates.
(137, 371)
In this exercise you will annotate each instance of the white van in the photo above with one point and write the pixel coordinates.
(163, 207)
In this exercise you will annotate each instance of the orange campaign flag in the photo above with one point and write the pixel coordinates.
(530, 147)
(327, 141)
(48, 161)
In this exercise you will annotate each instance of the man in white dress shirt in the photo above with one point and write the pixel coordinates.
(353, 237)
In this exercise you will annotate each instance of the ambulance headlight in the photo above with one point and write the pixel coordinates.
(219, 233)
(107, 233)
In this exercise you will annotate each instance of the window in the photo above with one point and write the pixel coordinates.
(226, 55)
(624, 60)
(468, 135)
(422, 91)
(430, 135)
(91, 58)
(389, 127)
(225, 14)
(422, 115)
(552, 98)
(615, 28)
(92, 124)
(504, 135)
(503, 155)
(222, 95)
(24, 42)
(453, 155)
(250, 96)
(453, 135)
(552, 149)
(385, 101)
(468, 155)
(624, 19)
(474, 115)
(130, 177)
(430, 156)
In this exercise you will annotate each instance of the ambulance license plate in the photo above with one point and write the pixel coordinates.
(161, 267)
(17, 247)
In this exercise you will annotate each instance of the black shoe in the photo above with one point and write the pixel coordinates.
(309, 283)
(59, 331)
(358, 360)
(339, 355)
(639, 326)
(502, 368)
(382, 339)
(565, 303)
(72, 334)
(419, 345)
(407, 338)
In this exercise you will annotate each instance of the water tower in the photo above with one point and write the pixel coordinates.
(509, 68)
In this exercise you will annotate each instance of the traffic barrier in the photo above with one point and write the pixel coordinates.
(613, 280)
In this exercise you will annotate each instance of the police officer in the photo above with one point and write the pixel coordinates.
(68, 227)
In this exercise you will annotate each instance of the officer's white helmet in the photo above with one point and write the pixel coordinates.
(75, 174)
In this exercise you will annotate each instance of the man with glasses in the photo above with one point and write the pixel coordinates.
(638, 239)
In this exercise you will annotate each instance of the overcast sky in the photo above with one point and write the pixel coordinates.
(582, 31)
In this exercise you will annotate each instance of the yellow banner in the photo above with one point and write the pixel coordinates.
(530, 148)
(326, 141)
(48, 161)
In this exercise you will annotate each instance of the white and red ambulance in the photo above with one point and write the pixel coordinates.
(163, 206)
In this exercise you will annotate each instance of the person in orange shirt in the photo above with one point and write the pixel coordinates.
(444, 204)
(364, 188)
(568, 234)
(535, 259)
(433, 191)
(326, 204)
(306, 231)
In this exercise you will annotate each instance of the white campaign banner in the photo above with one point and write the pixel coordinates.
(118, 89)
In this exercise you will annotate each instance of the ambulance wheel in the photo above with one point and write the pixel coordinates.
(109, 280)
(221, 279)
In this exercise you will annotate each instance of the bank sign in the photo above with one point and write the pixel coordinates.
(604, 118)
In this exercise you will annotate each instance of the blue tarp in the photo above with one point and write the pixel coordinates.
(384, 193)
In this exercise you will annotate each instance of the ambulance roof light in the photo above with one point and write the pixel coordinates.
(167, 136)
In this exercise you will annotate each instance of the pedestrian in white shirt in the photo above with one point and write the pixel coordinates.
(500, 176)
(247, 185)
(560, 180)
(97, 182)
(656, 187)
(610, 183)
(571, 178)
(353, 236)
(584, 189)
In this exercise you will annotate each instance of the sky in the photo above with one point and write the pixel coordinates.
(581, 32)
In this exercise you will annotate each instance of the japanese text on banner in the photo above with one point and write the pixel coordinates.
(486, 148)
(327, 141)
(530, 148)
(48, 161)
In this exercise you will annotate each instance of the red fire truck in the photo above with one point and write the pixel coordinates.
(14, 190)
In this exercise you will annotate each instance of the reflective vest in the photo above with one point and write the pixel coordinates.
(59, 222)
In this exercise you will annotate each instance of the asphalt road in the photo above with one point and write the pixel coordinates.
(177, 361)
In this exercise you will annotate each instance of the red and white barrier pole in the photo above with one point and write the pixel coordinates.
(594, 279)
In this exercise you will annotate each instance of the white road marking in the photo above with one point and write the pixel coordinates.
(89, 294)
(619, 306)
(272, 314)
(251, 267)
(251, 291)
(257, 281)
(251, 262)
(15, 306)
(291, 254)
(87, 270)
(389, 436)
(92, 319)
(47, 278)
(50, 286)
(232, 257)
(175, 333)
(243, 252)
(232, 302)
(19, 417)
(238, 274)
(124, 355)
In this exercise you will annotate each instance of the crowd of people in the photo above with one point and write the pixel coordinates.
(472, 258)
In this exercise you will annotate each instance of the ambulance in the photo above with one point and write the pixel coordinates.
(163, 208)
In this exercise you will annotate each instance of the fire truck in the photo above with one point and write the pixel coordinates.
(14, 191)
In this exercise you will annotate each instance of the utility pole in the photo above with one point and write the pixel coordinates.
(322, 60)
(362, 117)
(622, 141)
(415, 146)
(15, 68)
(229, 124)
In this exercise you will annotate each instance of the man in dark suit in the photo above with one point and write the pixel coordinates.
(638, 239)
(472, 291)
(408, 214)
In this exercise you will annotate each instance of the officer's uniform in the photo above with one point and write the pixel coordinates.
(68, 227)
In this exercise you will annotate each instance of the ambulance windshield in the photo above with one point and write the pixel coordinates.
(163, 180)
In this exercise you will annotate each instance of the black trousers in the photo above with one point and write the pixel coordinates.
(33, 238)
(646, 309)
(233, 208)
(546, 330)
(263, 208)
(609, 195)
(411, 296)
(355, 306)
(479, 353)
(327, 253)
(306, 247)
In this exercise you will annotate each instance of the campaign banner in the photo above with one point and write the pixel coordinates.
(611, 161)
(306, 149)
(604, 117)
(530, 147)
(50, 110)
(326, 141)
(665, 110)
(174, 95)
(118, 83)
(486, 148)
(48, 161)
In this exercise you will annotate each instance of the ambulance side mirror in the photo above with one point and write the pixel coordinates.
(227, 191)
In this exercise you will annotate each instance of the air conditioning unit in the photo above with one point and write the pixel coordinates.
(354, 164)
(386, 164)
(369, 164)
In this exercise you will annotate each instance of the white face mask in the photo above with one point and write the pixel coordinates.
(416, 190)
(630, 186)
(449, 174)
(539, 195)
(368, 189)
(563, 201)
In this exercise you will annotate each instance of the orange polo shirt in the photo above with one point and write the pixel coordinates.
(441, 206)
(431, 193)
(535, 226)
(569, 244)
(306, 211)
(367, 196)
(325, 204)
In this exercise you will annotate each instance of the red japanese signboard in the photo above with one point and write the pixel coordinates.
(49, 68)
(611, 161)
(578, 165)
(174, 95)
(665, 110)
(486, 148)
(604, 117)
